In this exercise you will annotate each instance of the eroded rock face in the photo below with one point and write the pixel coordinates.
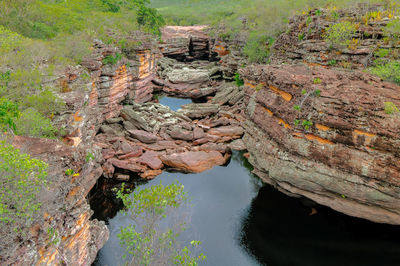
(304, 41)
(186, 43)
(339, 148)
(189, 80)
(65, 210)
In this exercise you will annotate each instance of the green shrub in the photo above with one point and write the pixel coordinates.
(339, 35)
(392, 30)
(22, 179)
(112, 60)
(257, 47)
(146, 240)
(391, 108)
(332, 62)
(389, 71)
(34, 124)
(239, 81)
(9, 114)
(45, 102)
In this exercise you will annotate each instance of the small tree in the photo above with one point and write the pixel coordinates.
(147, 17)
(9, 113)
(21, 180)
(148, 241)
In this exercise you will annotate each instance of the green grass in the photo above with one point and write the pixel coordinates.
(257, 22)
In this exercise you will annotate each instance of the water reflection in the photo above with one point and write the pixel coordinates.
(240, 221)
(279, 230)
(172, 102)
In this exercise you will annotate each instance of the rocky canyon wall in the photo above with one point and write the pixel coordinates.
(75, 238)
(317, 130)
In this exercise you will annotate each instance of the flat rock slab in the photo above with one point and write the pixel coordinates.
(151, 159)
(193, 161)
(128, 165)
(143, 136)
(227, 131)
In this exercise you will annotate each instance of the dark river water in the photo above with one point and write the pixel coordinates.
(241, 221)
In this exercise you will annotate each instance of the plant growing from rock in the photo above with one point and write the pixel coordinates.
(316, 93)
(147, 240)
(239, 81)
(389, 71)
(339, 35)
(392, 30)
(21, 181)
(391, 108)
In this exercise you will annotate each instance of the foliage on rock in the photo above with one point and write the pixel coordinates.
(22, 179)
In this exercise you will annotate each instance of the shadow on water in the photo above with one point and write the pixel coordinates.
(240, 221)
(279, 230)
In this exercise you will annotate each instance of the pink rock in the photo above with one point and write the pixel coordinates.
(151, 159)
(193, 161)
(227, 131)
(136, 152)
(143, 136)
(128, 165)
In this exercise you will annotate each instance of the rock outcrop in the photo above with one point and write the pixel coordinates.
(75, 238)
(115, 75)
(190, 80)
(186, 43)
(304, 39)
(149, 137)
(324, 134)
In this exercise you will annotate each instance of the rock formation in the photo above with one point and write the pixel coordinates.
(324, 133)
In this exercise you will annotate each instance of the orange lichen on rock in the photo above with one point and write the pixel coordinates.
(249, 84)
(221, 50)
(322, 127)
(93, 96)
(365, 137)
(77, 117)
(319, 139)
(299, 135)
(268, 111)
(285, 95)
(145, 64)
(282, 122)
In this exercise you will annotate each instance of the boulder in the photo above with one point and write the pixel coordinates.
(134, 152)
(193, 161)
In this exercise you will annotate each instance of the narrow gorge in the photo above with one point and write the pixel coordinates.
(313, 130)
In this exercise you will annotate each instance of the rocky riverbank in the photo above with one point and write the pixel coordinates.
(311, 128)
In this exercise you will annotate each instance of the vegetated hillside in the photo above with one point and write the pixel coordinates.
(254, 23)
(40, 39)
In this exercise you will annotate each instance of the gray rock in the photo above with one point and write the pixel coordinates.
(199, 110)
(106, 129)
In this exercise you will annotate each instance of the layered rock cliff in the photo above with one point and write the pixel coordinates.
(75, 164)
(326, 134)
